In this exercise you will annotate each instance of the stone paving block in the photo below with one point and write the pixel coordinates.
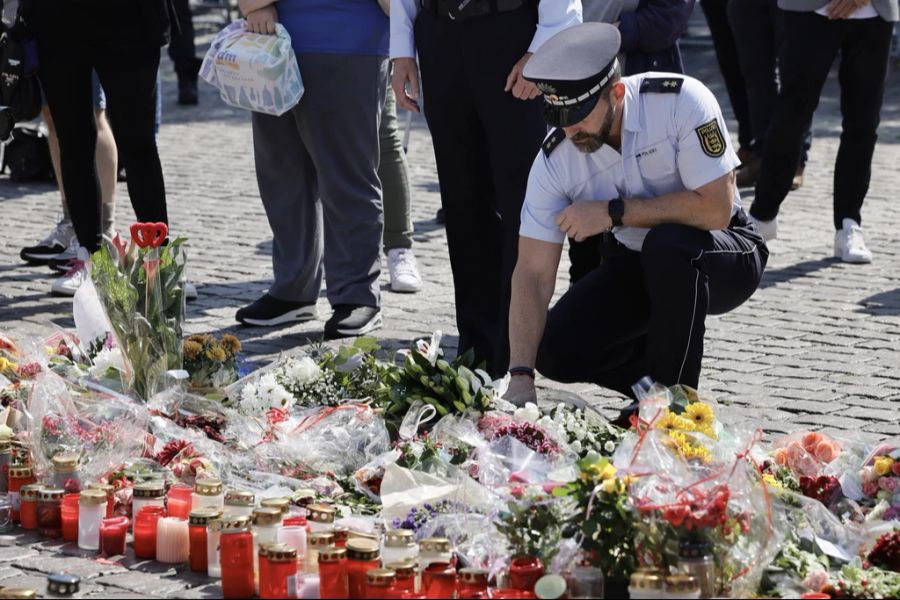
(149, 584)
(83, 567)
(11, 553)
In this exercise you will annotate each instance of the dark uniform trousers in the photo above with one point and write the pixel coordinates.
(812, 42)
(485, 141)
(644, 313)
(181, 47)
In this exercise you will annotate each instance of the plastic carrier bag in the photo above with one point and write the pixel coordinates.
(254, 71)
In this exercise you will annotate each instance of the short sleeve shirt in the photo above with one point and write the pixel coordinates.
(673, 139)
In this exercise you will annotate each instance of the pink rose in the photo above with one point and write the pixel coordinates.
(816, 580)
(550, 486)
(870, 488)
(890, 484)
(518, 491)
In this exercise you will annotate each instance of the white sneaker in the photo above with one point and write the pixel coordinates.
(849, 244)
(404, 272)
(52, 246)
(69, 283)
(190, 291)
(767, 229)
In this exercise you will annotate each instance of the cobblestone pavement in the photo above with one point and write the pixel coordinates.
(818, 346)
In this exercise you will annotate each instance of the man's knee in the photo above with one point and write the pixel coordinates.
(552, 356)
(672, 245)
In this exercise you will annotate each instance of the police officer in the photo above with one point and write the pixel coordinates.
(647, 160)
(486, 126)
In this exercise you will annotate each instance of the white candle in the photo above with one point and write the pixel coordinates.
(172, 542)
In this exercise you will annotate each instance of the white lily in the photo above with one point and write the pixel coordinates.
(431, 350)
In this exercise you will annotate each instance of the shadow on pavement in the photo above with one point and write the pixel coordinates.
(798, 271)
(885, 303)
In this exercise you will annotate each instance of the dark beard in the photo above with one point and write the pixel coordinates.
(591, 142)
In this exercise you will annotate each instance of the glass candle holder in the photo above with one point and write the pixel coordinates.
(320, 517)
(65, 472)
(406, 572)
(178, 501)
(112, 536)
(434, 550)
(18, 477)
(315, 542)
(524, 571)
(473, 583)
(213, 542)
(239, 503)
(28, 501)
(236, 559)
(439, 580)
(110, 492)
(49, 516)
(399, 545)
(148, 493)
(145, 529)
(172, 541)
(362, 557)
(333, 573)
(282, 567)
(282, 504)
(380, 584)
(198, 527)
(69, 514)
(91, 510)
(208, 493)
(295, 537)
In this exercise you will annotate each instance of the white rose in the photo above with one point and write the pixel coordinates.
(529, 413)
(609, 447)
(576, 447)
(108, 358)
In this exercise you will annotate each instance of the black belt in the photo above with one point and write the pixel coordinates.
(460, 10)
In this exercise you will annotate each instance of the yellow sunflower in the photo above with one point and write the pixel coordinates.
(701, 414)
(192, 349)
(673, 422)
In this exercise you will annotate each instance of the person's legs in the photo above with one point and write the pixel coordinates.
(689, 273)
(183, 53)
(107, 159)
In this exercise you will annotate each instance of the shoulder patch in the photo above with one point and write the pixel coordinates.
(662, 85)
(711, 139)
(553, 140)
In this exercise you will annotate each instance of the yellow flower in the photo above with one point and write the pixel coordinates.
(612, 486)
(192, 349)
(231, 344)
(883, 464)
(772, 482)
(701, 414)
(708, 432)
(596, 472)
(216, 353)
(674, 422)
(7, 365)
(688, 448)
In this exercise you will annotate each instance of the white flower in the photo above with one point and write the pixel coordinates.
(609, 447)
(576, 447)
(106, 359)
(301, 371)
(431, 350)
(528, 413)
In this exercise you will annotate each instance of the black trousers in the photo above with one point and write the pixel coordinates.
(181, 47)
(126, 59)
(645, 313)
(727, 56)
(485, 141)
(758, 29)
(812, 42)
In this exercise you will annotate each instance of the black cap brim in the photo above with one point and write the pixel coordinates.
(566, 116)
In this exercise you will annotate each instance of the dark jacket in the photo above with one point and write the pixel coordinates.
(650, 35)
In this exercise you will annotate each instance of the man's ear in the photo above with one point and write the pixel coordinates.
(618, 90)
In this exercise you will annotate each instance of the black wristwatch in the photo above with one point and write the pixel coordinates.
(616, 209)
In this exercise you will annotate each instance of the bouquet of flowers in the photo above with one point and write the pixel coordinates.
(584, 434)
(141, 289)
(806, 454)
(534, 520)
(880, 477)
(211, 363)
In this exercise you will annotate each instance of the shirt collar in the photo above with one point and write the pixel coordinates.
(631, 120)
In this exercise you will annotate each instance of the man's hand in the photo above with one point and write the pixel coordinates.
(518, 85)
(520, 390)
(405, 82)
(263, 20)
(581, 220)
(841, 9)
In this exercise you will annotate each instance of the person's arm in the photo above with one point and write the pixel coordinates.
(405, 74)
(261, 15)
(655, 26)
(707, 208)
(248, 6)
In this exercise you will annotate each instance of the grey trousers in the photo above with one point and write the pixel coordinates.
(394, 175)
(316, 167)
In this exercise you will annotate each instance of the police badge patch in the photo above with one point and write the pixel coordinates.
(711, 139)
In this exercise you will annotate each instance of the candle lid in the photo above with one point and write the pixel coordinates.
(320, 513)
(381, 577)
(263, 549)
(303, 496)
(321, 538)
(209, 486)
(149, 489)
(63, 584)
(435, 545)
(109, 489)
(203, 515)
(18, 593)
(266, 516)
(240, 498)
(282, 504)
(281, 553)
(647, 579)
(51, 494)
(404, 569)
(550, 587)
(31, 491)
(399, 538)
(230, 522)
(341, 535)
(332, 554)
(688, 548)
(682, 582)
(65, 462)
(92, 497)
(20, 471)
(469, 575)
(362, 549)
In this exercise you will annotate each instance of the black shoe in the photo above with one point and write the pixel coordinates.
(350, 320)
(439, 217)
(187, 92)
(55, 245)
(269, 312)
(63, 263)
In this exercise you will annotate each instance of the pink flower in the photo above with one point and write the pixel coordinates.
(895, 468)
(816, 580)
(517, 477)
(890, 484)
(518, 491)
(550, 486)
(870, 488)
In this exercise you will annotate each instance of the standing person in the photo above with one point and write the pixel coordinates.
(184, 54)
(486, 125)
(816, 31)
(123, 48)
(316, 165)
(647, 160)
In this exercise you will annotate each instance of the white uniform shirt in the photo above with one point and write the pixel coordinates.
(669, 144)
(553, 17)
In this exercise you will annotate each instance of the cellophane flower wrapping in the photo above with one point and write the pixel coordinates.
(103, 428)
(142, 292)
(697, 483)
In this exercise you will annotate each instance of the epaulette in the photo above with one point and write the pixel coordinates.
(553, 140)
(661, 85)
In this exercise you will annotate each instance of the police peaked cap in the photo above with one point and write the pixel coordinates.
(571, 68)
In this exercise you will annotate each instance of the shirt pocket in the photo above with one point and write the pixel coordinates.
(658, 166)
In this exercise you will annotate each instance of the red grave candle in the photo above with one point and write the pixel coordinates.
(145, 526)
(17, 477)
(112, 536)
(28, 501)
(69, 513)
(281, 565)
(178, 501)
(363, 555)
(439, 580)
(524, 571)
(333, 573)
(236, 560)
